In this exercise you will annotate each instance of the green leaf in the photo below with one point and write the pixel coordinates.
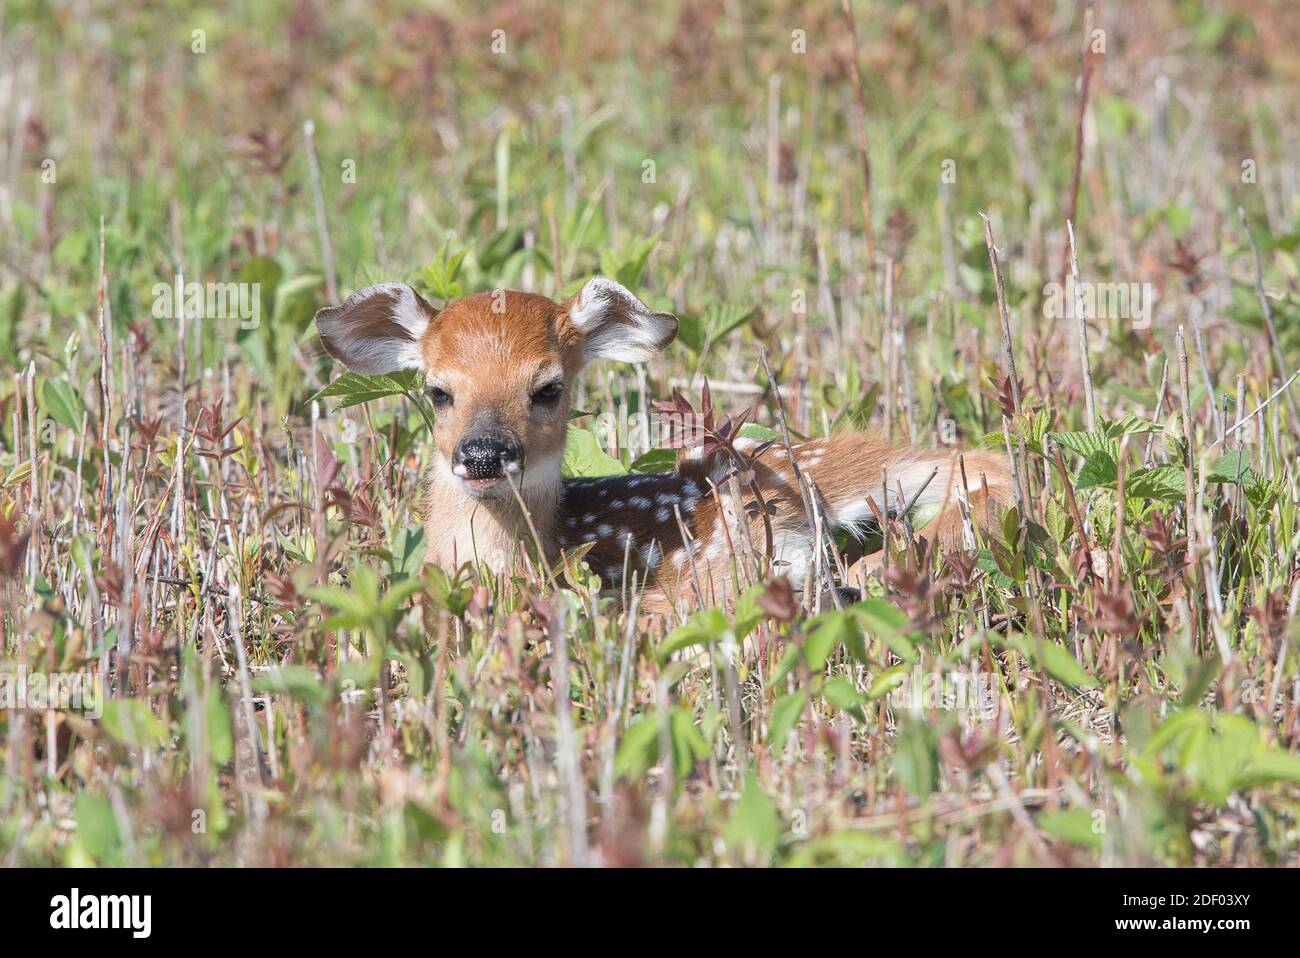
(131, 722)
(629, 267)
(688, 743)
(883, 620)
(408, 551)
(13, 300)
(755, 827)
(747, 612)
(1129, 425)
(754, 430)
(784, 715)
(639, 748)
(63, 403)
(440, 274)
(1085, 444)
(887, 681)
(1165, 483)
(656, 460)
(916, 758)
(1071, 825)
(96, 825)
(297, 681)
(354, 388)
(1054, 658)
(1222, 756)
(699, 332)
(702, 628)
(847, 849)
(296, 302)
(1218, 759)
(1099, 469)
(221, 741)
(583, 456)
(828, 631)
(841, 693)
(266, 273)
(1270, 767)
(1234, 467)
(1105, 438)
(422, 823)
(690, 333)
(721, 319)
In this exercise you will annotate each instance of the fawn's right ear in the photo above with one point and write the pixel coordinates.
(377, 331)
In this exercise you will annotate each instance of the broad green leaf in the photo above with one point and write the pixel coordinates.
(883, 620)
(584, 458)
(1072, 825)
(1085, 444)
(755, 827)
(688, 743)
(828, 631)
(64, 403)
(702, 628)
(1099, 469)
(1057, 660)
(847, 849)
(439, 278)
(720, 319)
(1165, 483)
(1234, 467)
(754, 430)
(783, 718)
(887, 681)
(1270, 767)
(841, 693)
(297, 681)
(916, 758)
(133, 723)
(354, 388)
(656, 460)
(96, 825)
(639, 748)
(221, 742)
(422, 823)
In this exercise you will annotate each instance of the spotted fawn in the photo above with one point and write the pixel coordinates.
(500, 367)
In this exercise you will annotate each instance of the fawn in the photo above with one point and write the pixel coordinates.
(499, 368)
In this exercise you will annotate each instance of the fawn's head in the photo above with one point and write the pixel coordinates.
(499, 366)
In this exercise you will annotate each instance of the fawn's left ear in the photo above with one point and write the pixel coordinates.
(377, 330)
(616, 325)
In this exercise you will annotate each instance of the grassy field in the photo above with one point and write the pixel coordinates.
(231, 565)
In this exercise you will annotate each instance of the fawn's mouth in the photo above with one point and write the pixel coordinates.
(478, 487)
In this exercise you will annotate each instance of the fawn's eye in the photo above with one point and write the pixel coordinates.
(439, 397)
(548, 393)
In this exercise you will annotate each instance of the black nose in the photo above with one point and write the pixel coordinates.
(487, 457)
